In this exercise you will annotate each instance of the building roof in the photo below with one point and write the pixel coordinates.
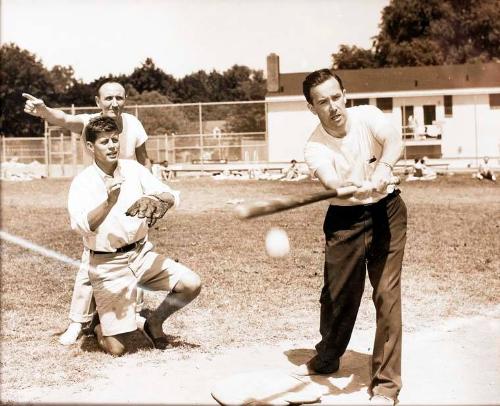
(403, 79)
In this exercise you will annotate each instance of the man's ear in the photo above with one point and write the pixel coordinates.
(312, 109)
(90, 146)
(344, 95)
(97, 101)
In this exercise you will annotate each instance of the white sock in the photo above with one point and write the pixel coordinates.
(71, 334)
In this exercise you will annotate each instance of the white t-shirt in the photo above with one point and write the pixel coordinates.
(132, 136)
(352, 158)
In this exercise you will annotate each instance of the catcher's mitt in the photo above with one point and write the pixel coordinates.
(150, 208)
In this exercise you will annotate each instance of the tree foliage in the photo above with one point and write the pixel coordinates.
(352, 57)
(431, 32)
(149, 78)
(161, 120)
(21, 71)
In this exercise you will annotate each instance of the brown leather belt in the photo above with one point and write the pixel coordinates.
(125, 248)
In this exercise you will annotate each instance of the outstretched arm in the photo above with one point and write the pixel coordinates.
(36, 107)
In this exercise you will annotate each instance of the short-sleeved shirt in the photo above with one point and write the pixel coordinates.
(352, 158)
(88, 190)
(132, 136)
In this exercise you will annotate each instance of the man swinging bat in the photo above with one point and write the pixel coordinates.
(365, 230)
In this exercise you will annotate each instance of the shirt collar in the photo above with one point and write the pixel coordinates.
(104, 175)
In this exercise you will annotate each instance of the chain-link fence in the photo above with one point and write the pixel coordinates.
(178, 133)
(237, 132)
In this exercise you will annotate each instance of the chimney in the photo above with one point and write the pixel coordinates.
(273, 73)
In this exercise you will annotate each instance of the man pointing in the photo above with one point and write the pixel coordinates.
(111, 99)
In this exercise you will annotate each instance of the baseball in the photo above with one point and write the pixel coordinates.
(277, 244)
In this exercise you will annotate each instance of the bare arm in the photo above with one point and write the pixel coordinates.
(36, 107)
(97, 216)
(326, 175)
(142, 156)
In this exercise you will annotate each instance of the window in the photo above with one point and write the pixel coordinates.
(357, 102)
(429, 114)
(385, 104)
(448, 106)
(495, 101)
(408, 121)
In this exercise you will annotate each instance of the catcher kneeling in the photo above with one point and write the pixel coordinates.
(112, 203)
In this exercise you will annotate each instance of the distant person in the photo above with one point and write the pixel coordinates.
(485, 171)
(292, 172)
(417, 168)
(111, 99)
(112, 204)
(166, 174)
(161, 171)
(428, 173)
(366, 232)
(421, 171)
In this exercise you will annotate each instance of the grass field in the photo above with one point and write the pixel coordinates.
(451, 268)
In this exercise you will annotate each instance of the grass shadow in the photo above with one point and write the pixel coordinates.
(354, 366)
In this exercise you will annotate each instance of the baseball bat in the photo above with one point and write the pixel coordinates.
(271, 206)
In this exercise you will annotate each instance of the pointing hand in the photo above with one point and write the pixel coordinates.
(35, 107)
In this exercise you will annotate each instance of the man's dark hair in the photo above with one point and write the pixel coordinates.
(316, 78)
(101, 124)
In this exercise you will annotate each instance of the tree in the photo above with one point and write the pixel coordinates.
(193, 88)
(148, 77)
(352, 57)
(62, 77)
(431, 32)
(21, 71)
(160, 120)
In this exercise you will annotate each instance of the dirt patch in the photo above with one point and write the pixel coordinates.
(455, 362)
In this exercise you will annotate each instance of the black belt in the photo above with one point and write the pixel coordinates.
(125, 248)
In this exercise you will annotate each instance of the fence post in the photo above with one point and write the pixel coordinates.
(4, 151)
(165, 139)
(266, 134)
(200, 113)
(158, 158)
(47, 147)
(74, 150)
(61, 142)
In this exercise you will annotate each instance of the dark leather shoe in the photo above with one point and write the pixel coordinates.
(322, 367)
(160, 343)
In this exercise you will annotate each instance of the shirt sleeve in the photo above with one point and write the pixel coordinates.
(316, 155)
(78, 208)
(377, 121)
(153, 186)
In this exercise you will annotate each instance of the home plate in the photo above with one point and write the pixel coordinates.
(269, 387)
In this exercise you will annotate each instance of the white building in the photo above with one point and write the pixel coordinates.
(451, 113)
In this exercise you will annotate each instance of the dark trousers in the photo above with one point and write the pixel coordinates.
(358, 238)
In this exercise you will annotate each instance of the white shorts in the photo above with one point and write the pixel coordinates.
(115, 278)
